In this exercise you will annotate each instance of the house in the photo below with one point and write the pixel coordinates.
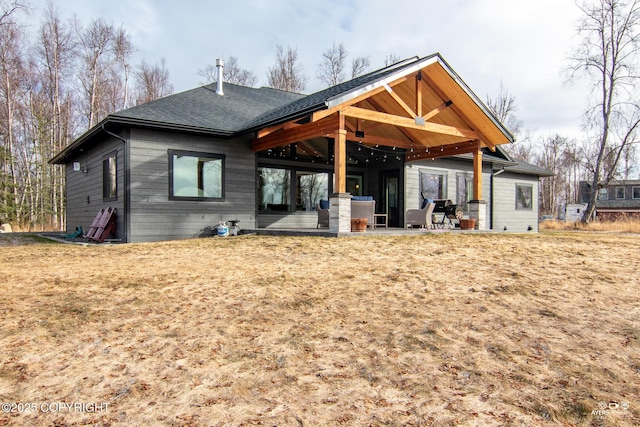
(175, 167)
(618, 199)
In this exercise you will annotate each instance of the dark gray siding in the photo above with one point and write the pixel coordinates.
(154, 217)
(84, 191)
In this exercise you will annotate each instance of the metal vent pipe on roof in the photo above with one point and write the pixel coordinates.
(219, 68)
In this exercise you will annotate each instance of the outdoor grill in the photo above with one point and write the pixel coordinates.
(448, 210)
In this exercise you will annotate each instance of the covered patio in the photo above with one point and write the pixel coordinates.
(416, 109)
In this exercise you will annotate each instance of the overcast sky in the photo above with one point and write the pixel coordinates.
(523, 44)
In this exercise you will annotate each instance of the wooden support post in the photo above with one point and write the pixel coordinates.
(340, 158)
(477, 173)
(419, 94)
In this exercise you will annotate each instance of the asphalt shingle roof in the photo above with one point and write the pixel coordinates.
(317, 100)
(204, 109)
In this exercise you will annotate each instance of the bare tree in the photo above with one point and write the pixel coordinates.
(9, 8)
(504, 107)
(232, 74)
(630, 164)
(55, 53)
(103, 48)
(359, 65)
(287, 73)
(608, 55)
(152, 82)
(11, 78)
(550, 158)
(391, 59)
(123, 49)
(331, 69)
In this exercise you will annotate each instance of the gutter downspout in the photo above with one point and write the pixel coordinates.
(493, 174)
(126, 181)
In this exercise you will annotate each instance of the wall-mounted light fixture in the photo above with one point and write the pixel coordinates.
(78, 168)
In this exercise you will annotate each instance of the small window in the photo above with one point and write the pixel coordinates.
(603, 194)
(109, 177)
(619, 192)
(432, 185)
(636, 192)
(196, 176)
(524, 197)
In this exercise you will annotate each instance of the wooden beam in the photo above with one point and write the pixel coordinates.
(458, 111)
(319, 115)
(350, 127)
(340, 157)
(408, 123)
(400, 102)
(442, 151)
(299, 133)
(284, 126)
(418, 93)
(379, 140)
(477, 173)
(408, 133)
(437, 110)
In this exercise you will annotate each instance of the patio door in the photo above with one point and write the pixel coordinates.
(390, 203)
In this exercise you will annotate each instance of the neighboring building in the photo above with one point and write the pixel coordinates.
(177, 166)
(619, 199)
(574, 212)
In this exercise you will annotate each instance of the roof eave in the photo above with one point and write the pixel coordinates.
(75, 145)
(129, 121)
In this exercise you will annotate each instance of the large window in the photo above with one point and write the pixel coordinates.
(279, 188)
(274, 192)
(311, 187)
(524, 197)
(619, 192)
(109, 177)
(433, 185)
(636, 192)
(195, 176)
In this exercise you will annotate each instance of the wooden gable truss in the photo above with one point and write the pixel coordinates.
(429, 113)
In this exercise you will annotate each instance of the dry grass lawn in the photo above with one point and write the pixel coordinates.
(444, 329)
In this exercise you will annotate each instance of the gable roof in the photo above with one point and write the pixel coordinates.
(349, 90)
(199, 110)
(242, 110)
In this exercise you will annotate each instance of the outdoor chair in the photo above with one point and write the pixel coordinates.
(420, 217)
(364, 209)
(323, 213)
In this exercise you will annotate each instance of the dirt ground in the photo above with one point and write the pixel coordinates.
(430, 330)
